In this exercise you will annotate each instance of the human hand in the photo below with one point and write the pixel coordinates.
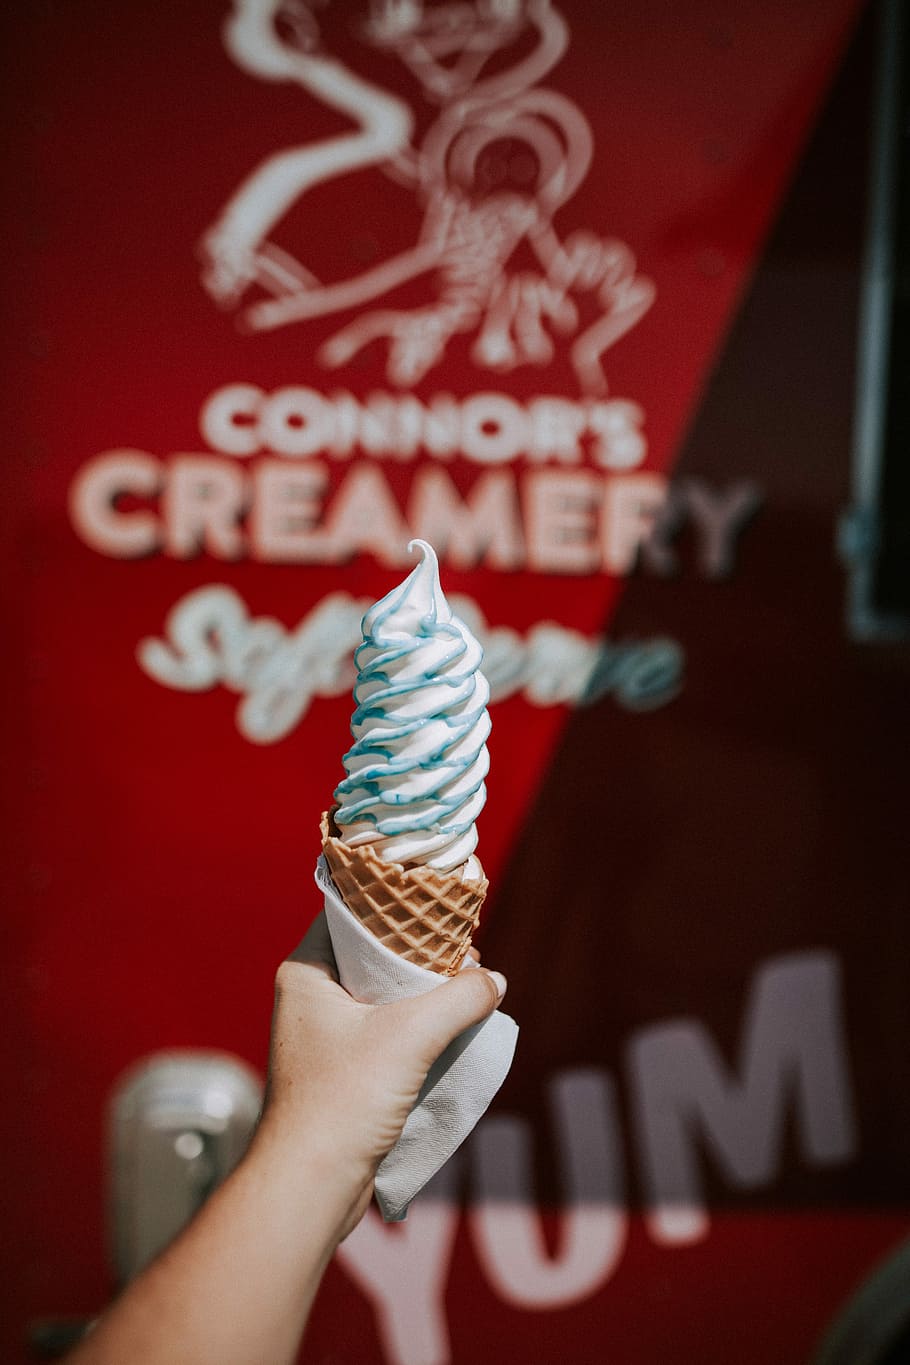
(344, 1076)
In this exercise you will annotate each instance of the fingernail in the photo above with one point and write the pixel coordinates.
(499, 982)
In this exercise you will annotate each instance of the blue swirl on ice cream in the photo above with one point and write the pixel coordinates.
(415, 776)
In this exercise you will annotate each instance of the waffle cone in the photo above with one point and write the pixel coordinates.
(419, 913)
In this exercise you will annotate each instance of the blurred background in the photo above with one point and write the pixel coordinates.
(611, 304)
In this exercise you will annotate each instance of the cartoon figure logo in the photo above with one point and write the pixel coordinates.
(470, 232)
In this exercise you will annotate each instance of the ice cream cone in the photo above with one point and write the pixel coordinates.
(419, 913)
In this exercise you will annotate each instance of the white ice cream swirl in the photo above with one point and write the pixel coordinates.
(415, 776)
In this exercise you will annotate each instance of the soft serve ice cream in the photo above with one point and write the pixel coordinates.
(400, 840)
(415, 776)
(402, 884)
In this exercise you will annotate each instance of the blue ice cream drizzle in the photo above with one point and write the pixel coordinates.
(415, 775)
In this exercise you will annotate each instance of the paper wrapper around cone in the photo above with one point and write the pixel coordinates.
(425, 916)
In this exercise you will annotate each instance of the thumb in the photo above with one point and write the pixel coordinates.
(434, 1019)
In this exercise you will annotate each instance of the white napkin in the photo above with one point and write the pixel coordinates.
(460, 1084)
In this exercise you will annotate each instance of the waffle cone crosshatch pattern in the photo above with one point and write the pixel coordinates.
(420, 914)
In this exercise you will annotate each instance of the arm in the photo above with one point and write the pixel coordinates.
(237, 1286)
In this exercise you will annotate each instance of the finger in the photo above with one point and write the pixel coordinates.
(315, 948)
(433, 1020)
(473, 954)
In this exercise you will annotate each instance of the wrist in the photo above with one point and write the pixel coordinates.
(310, 1172)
